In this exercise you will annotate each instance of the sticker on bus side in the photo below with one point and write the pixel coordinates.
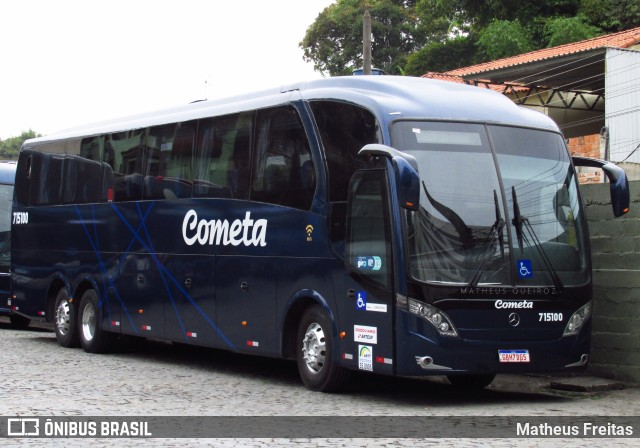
(369, 263)
(362, 333)
(525, 270)
(365, 357)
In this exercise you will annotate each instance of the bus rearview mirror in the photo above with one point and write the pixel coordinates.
(619, 184)
(405, 170)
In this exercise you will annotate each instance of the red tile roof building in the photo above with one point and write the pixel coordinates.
(622, 39)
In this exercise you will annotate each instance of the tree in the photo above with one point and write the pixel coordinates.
(441, 56)
(503, 38)
(415, 36)
(611, 15)
(564, 30)
(333, 42)
(10, 147)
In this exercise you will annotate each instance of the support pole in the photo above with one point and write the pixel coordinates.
(366, 43)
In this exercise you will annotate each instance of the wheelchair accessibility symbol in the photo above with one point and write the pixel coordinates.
(361, 301)
(524, 269)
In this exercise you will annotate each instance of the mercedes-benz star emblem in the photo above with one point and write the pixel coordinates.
(514, 320)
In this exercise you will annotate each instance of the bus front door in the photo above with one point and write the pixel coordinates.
(367, 283)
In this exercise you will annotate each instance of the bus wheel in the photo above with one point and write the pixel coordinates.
(19, 322)
(92, 338)
(65, 315)
(471, 381)
(314, 352)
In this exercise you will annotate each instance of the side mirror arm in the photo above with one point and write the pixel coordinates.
(405, 169)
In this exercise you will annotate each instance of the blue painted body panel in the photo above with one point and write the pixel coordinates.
(155, 279)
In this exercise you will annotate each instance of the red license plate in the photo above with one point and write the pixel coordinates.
(514, 356)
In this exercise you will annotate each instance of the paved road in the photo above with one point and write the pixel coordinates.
(37, 377)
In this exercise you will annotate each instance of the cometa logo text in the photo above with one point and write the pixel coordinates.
(222, 232)
(525, 304)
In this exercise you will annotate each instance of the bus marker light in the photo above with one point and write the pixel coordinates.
(244, 323)
(115, 323)
(41, 313)
(191, 334)
(343, 334)
(381, 360)
(253, 343)
(110, 194)
(347, 356)
(140, 311)
(146, 327)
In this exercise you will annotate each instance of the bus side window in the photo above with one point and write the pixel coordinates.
(344, 130)
(84, 181)
(47, 176)
(222, 155)
(90, 175)
(168, 161)
(125, 152)
(92, 148)
(283, 173)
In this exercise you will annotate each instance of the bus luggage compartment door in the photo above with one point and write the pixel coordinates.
(246, 303)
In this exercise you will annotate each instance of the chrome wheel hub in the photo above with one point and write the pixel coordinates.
(88, 322)
(63, 317)
(314, 348)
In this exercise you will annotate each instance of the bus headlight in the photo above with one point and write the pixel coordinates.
(434, 316)
(577, 320)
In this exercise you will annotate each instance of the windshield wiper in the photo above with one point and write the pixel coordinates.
(456, 221)
(494, 234)
(520, 222)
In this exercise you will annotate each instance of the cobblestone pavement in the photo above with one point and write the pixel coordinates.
(39, 378)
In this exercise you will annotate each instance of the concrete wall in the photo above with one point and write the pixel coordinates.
(615, 246)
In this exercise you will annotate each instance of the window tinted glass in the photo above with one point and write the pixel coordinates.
(344, 130)
(168, 161)
(369, 248)
(222, 168)
(284, 173)
(124, 152)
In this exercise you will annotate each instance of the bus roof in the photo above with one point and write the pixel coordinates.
(388, 97)
(7, 172)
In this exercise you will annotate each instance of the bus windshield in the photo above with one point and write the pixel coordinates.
(498, 206)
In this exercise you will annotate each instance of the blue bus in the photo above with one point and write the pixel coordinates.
(394, 225)
(7, 177)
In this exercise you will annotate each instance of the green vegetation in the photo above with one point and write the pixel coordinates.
(416, 36)
(10, 147)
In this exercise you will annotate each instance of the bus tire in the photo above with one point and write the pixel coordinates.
(19, 322)
(92, 338)
(65, 320)
(471, 381)
(314, 352)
